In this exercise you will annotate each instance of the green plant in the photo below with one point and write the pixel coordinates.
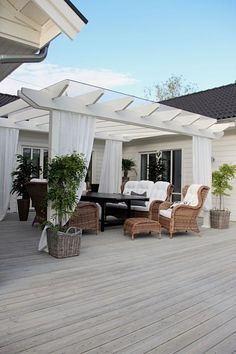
(65, 174)
(22, 175)
(220, 181)
(127, 165)
(156, 168)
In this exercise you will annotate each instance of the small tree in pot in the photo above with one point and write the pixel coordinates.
(220, 184)
(23, 173)
(156, 168)
(65, 174)
(127, 165)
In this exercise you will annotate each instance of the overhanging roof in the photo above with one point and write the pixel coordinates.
(28, 25)
(118, 116)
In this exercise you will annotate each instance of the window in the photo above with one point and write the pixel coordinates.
(39, 156)
(172, 160)
(146, 160)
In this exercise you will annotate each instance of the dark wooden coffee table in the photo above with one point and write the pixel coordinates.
(103, 198)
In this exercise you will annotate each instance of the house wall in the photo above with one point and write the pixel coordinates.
(134, 148)
(223, 151)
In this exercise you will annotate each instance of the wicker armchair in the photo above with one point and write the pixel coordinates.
(38, 194)
(183, 217)
(86, 216)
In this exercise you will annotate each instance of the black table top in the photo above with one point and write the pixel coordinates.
(111, 197)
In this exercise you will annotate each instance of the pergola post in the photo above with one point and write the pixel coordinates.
(201, 159)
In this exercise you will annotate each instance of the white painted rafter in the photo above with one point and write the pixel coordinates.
(122, 118)
(117, 105)
(158, 120)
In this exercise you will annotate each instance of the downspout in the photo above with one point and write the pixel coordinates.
(28, 58)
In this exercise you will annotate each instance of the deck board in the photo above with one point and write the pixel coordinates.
(145, 296)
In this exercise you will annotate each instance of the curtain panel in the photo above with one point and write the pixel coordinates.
(110, 180)
(201, 157)
(69, 132)
(8, 149)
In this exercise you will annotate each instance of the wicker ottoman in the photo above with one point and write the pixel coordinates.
(138, 225)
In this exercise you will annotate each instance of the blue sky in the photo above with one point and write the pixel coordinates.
(128, 45)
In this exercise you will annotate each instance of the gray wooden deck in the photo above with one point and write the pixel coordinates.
(118, 296)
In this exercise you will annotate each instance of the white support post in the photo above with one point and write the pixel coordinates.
(201, 157)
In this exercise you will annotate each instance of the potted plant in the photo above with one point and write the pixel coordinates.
(156, 168)
(220, 184)
(127, 165)
(23, 173)
(65, 174)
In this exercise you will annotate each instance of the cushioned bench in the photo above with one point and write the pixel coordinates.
(156, 192)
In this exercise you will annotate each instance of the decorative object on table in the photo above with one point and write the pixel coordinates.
(219, 217)
(182, 216)
(65, 174)
(135, 226)
(23, 173)
(127, 165)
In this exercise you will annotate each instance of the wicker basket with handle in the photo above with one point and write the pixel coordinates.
(64, 244)
(219, 219)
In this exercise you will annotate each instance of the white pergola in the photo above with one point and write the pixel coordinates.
(118, 116)
(74, 114)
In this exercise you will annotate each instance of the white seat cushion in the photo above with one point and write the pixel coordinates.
(130, 186)
(159, 191)
(38, 180)
(166, 213)
(139, 208)
(191, 197)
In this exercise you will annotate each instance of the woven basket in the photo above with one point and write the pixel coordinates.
(64, 244)
(219, 219)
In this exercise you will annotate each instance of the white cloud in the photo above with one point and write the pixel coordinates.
(38, 76)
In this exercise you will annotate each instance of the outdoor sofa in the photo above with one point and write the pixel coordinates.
(156, 192)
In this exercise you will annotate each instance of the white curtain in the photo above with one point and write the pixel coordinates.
(69, 132)
(8, 148)
(202, 152)
(110, 179)
(72, 132)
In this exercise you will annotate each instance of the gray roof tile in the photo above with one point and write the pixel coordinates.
(5, 99)
(219, 102)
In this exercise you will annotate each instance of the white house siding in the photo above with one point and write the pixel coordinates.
(224, 151)
(134, 148)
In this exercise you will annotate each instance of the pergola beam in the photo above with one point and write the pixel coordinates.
(158, 120)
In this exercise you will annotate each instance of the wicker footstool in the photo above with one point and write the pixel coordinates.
(138, 225)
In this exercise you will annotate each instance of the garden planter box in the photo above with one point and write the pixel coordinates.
(219, 219)
(64, 244)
